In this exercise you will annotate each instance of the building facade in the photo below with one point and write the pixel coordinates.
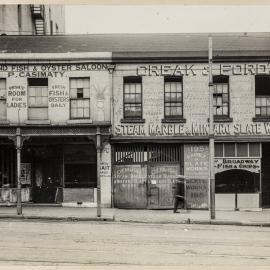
(32, 19)
(133, 111)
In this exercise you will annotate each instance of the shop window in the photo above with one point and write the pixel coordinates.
(38, 99)
(80, 175)
(132, 98)
(221, 96)
(3, 100)
(173, 97)
(254, 150)
(237, 181)
(219, 150)
(79, 98)
(262, 93)
(228, 150)
(242, 150)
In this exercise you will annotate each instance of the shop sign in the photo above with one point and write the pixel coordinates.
(193, 70)
(249, 164)
(197, 193)
(49, 70)
(26, 173)
(195, 129)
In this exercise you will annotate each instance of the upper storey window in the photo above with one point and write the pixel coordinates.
(79, 98)
(262, 93)
(38, 98)
(132, 97)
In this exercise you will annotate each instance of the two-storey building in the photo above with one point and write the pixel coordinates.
(55, 97)
(142, 102)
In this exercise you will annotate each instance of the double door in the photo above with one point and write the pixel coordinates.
(145, 186)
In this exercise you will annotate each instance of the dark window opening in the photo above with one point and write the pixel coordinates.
(262, 92)
(237, 181)
(132, 97)
(221, 96)
(173, 97)
(80, 175)
(38, 98)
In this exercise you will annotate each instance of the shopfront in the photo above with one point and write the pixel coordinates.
(238, 175)
(144, 174)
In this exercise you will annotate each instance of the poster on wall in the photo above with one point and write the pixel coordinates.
(26, 173)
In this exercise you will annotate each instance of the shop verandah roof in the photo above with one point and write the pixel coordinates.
(145, 46)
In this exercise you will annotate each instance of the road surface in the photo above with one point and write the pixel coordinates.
(82, 243)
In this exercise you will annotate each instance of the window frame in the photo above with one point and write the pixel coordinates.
(216, 95)
(177, 79)
(260, 96)
(132, 80)
(37, 106)
(77, 99)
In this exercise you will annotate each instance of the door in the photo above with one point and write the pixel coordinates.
(130, 186)
(161, 178)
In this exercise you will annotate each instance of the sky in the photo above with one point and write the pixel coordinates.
(166, 19)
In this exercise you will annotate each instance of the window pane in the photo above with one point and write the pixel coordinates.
(258, 101)
(263, 111)
(3, 83)
(73, 93)
(225, 111)
(86, 93)
(229, 149)
(242, 149)
(3, 93)
(38, 113)
(86, 113)
(254, 150)
(219, 150)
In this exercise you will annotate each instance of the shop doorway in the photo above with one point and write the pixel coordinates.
(46, 170)
(266, 175)
(144, 175)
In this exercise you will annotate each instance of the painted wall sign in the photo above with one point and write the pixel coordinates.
(195, 129)
(105, 169)
(58, 96)
(196, 69)
(197, 193)
(248, 164)
(49, 70)
(196, 163)
(16, 97)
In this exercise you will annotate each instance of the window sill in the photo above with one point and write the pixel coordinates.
(222, 120)
(172, 120)
(135, 120)
(261, 119)
(79, 121)
(37, 122)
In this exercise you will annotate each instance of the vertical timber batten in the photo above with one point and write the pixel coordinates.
(19, 189)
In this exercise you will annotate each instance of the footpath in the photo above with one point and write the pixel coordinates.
(59, 213)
